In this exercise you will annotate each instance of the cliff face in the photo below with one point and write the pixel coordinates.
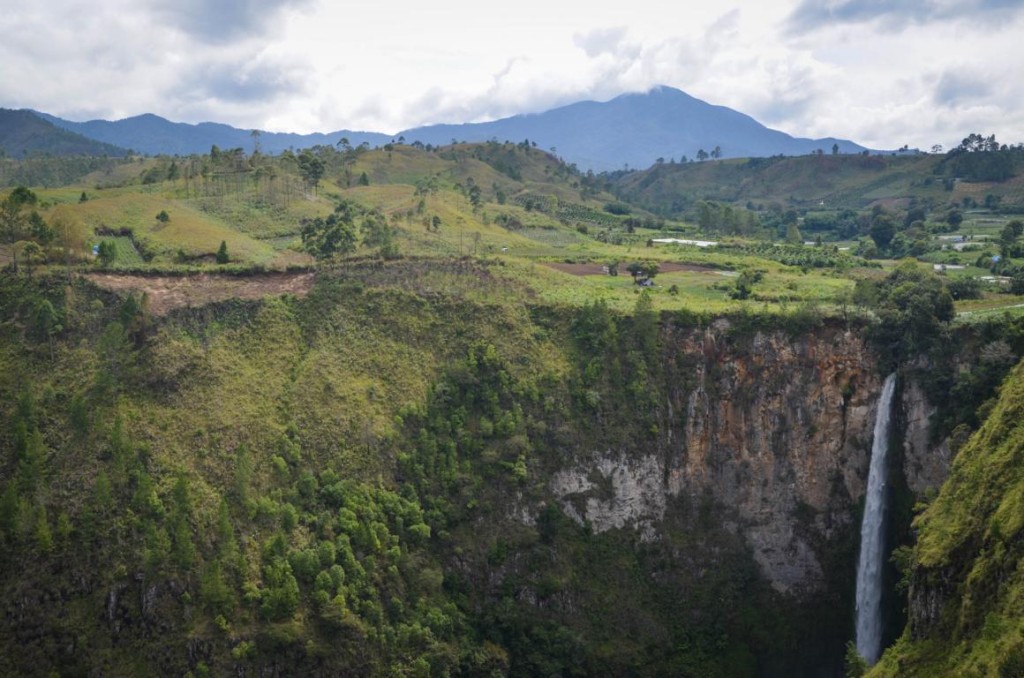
(925, 465)
(774, 430)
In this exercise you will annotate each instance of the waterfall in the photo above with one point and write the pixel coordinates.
(872, 535)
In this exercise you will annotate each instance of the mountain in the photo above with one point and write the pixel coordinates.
(636, 130)
(24, 133)
(154, 135)
(632, 129)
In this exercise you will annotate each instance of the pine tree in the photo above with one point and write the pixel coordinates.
(222, 253)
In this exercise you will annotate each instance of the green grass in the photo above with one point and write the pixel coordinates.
(125, 253)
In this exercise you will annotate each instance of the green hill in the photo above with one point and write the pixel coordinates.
(23, 133)
(813, 182)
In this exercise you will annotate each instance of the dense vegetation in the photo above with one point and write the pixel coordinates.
(964, 571)
(270, 484)
(355, 478)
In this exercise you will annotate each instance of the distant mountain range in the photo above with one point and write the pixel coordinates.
(153, 135)
(630, 130)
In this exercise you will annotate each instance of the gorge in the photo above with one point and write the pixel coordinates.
(581, 487)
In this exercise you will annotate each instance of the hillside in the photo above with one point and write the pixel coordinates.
(827, 181)
(965, 571)
(23, 133)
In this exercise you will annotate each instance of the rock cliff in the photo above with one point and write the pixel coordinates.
(774, 429)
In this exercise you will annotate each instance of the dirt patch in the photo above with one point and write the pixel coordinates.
(599, 269)
(167, 293)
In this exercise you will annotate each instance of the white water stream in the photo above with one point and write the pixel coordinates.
(872, 535)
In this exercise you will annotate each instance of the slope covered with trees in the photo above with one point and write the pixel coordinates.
(23, 133)
(964, 572)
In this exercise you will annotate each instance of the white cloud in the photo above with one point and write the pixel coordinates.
(883, 74)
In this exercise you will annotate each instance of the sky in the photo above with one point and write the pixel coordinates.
(880, 73)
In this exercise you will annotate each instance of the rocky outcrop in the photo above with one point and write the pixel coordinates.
(925, 465)
(615, 490)
(774, 429)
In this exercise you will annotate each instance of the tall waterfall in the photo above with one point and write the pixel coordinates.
(872, 535)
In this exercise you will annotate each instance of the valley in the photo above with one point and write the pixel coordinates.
(453, 410)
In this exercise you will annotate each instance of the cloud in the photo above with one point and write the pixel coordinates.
(887, 15)
(880, 73)
(600, 41)
(243, 80)
(222, 21)
(955, 88)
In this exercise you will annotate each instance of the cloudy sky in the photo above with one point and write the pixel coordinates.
(882, 73)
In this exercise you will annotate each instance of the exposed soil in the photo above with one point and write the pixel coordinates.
(598, 269)
(167, 293)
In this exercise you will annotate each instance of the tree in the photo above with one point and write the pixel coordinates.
(883, 228)
(913, 306)
(163, 217)
(46, 322)
(280, 598)
(702, 155)
(854, 666)
(364, 180)
(311, 168)
(793, 235)
(31, 253)
(106, 252)
(835, 149)
(378, 233)
(326, 238)
(12, 217)
(745, 284)
(642, 271)
(222, 253)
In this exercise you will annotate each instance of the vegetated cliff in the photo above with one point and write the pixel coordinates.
(771, 428)
(382, 477)
(965, 572)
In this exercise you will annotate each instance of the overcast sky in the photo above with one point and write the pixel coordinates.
(882, 73)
